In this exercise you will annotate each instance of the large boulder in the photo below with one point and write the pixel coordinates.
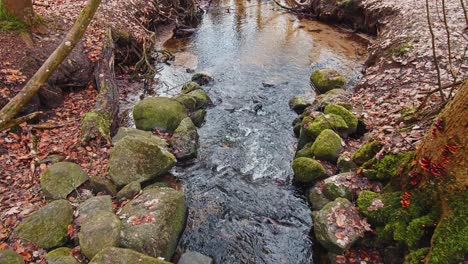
(113, 255)
(350, 119)
(94, 205)
(8, 256)
(160, 113)
(184, 141)
(47, 228)
(61, 256)
(325, 80)
(332, 226)
(307, 170)
(129, 131)
(327, 146)
(102, 184)
(192, 257)
(139, 158)
(62, 178)
(367, 152)
(99, 231)
(153, 221)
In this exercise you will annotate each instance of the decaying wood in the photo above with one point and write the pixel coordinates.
(101, 122)
(13, 107)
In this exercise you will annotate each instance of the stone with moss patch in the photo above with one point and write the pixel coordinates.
(160, 113)
(184, 141)
(416, 256)
(327, 79)
(201, 98)
(327, 146)
(307, 170)
(96, 204)
(392, 165)
(345, 164)
(139, 158)
(316, 197)
(96, 123)
(47, 227)
(113, 255)
(299, 103)
(101, 184)
(99, 231)
(126, 131)
(61, 255)
(198, 117)
(305, 151)
(314, 126)
(335, 96)
(190, 86)
(62, 178)
(366, 152)
(333, 188)
(350, 119)
(188, 101)
(129, 191)
(153, 221)
(202, 78)
(8, 256)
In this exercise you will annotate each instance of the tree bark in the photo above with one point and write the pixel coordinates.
(20, 9)
(102, 121)
(50, 65)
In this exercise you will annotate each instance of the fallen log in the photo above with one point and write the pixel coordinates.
(102, 121)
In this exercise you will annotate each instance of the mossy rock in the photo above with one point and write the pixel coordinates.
(99, 231)
(327, 146)
(299, 103)
(307, 170)
(184, 141)
(164, 210)
(157, 185)
(335, 96)
(367, 152)
(190, 86)
(188, 101)
(305, 152)
(94, 205)
(113, 255)
(127, 131)
(334, 189)
(313, 127)
(201, 98)
(101, 184)
(317, 198)
(129, 191)
(62, 178)
(392, 165)
(47, 227)
(191, 257)
(202, 78)
(345, 164)
(325, 80)
(61, 255)
(198, 117)
(416, 256)
(160, 113)
(139, 158)
(350, 119)
(8, 256)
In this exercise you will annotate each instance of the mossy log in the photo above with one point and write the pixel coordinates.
(101, 122)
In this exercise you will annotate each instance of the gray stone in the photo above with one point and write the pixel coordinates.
(316, 197)
(129, 191)
(113, 255)
(299, 103)
(202, 78)
(184, 141)
(95, 204)
(62, 178)
(101, 184)
(160, 113)
(191, 257)
(125, 131)
(99, 231)
(61, 256)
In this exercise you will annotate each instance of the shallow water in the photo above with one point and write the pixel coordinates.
(242, 207)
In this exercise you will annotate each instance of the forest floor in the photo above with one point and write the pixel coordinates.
(399, 72)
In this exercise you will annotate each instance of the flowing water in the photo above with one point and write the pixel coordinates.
(242, 206)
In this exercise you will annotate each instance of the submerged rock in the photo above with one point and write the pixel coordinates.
(202, 78)
(113, 255)
(62, 178)
(327, 146)
(153, 221)
(350, 119)
(307, 170)
(332, 228)
(129, 191)
(184, 141)
(160, 113)
(299, 103)
(327, 79)
(47, 227)
(60, 256)
(367, 152)
(191, 257)
(99, 231)
(139, 158)
(8, 256)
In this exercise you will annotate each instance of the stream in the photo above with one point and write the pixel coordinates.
(242, 206)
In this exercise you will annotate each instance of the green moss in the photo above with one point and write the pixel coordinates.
(9, 256)
(449, 242)
(402, 49)
(123, 256)
(366, 152)
(62, 178)
(159, 113)
(314, 126)
(8, 22)
(189, 87)
(307, 170)
(416, 256)
(188, 101)
(327, 146)
(198, 117)
(393, 165)
(306, 151)
(350, 119)
(61, 256)
(327, 79)
(201, 98)
(94, 120)
(408, 114)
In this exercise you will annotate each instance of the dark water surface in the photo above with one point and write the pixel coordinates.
(242, 208)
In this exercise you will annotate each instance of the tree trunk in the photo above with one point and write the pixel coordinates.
(21, 10)
(442, 162)
(9, 111)
(102, 121)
